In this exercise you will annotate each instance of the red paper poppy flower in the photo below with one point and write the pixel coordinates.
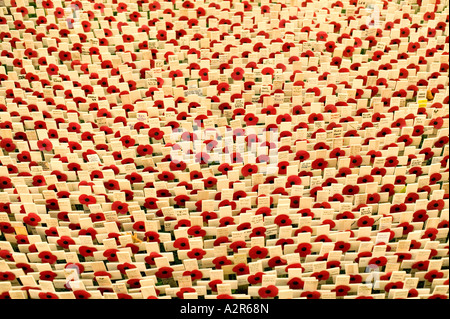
(194, 274)
(166, 176)
(270, 291)
(151, 236)
(342, 246)
(249, 169)
(86, 251)
(196, 253)
(88, 232)
(303, 249)
(5, 182)
(257, 252)
(81, 294)
(5, 254)
(421, 265)
(378, 261)
(164, 272)
(47, 257)
(196, 231)
(47, 295)
(235, 246)
(7, 276)
(125, 266)
(365, 221)
(150, 259)
(341, 290)
(350, 190)
(221, 261)
(241, 269)
(65, 242)
(283, 220)
(430, 233)
(311, 294)
(213, 284)
(393, 285)
(32, 219)
(156, 133)
(258, 232)
(111, 254)
(321, 275)
(256, 278)
(8, 145)
(437, 204)
(319, 163)
(250, 119)
(87, 199)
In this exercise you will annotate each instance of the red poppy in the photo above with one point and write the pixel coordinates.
(283, 220)
(210, 182)
(241, 269)
(270, 291)
(341, 290)
(256, 278)
(47, 295)
(164, 272)
(221, 261)
(213, 284)
(393, 285)
(321, 275)
(87, 199)
(7, 276)
(86, 251)
(7, 144)
(196, 253)
(295, 283)
(5, 254)
(235, 246)
(443, 224)
(166, 176)
(443, 140)
(388, 188)
(47, 257)
(181, 243)
(65, 242)
(350, 190)
(342, 246)
(249, 169)
(378, 261)
(303, 249)
(111, 254)
(438, 296)
(430, 233)
(436, 204)
(89, 232)
(123, 267)
(257, 252)
(196, 231)
(403, 256)
(181, 200)
(32, 219)
(156, 133)
(407, 227)
(151, 236)
(365, 221)
(5, 182)
(319, 163)
(421, 265)
(82, 294)
(258, 232)
(311, 294)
